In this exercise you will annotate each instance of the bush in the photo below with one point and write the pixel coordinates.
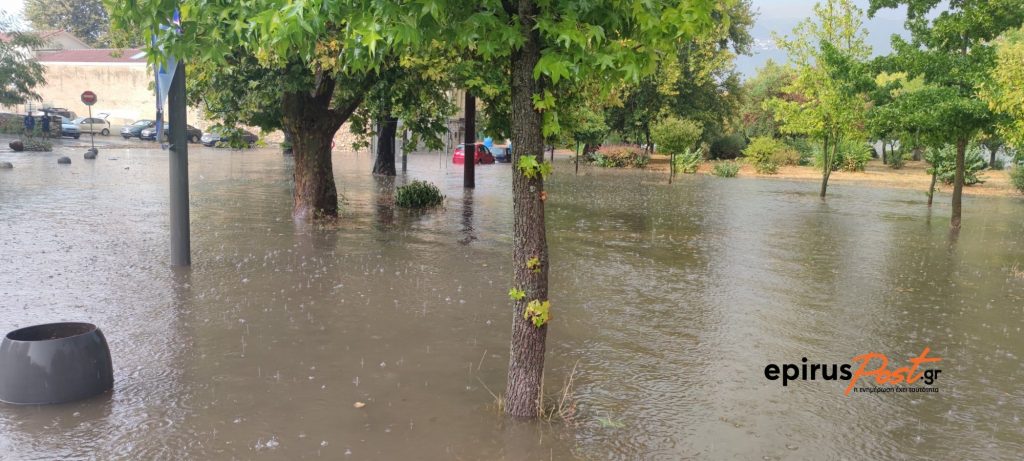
(767, 154)
(728, 147)
(418, 194)
(896, 158)
(620, 157)
(850, 156)
(854, 156)
(804, 148)
(686, 162)
(12, 124)
(1017, 177)
(998, 164)
(675, 135)
(725, 169)
(943, 162)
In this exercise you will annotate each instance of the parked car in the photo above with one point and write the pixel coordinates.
(220, 136)
(68, 128)
(93, 125)
(135, 129)
(502, 154)
(193, 134)
(483, 155)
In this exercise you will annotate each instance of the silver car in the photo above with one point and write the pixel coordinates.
(93, 125)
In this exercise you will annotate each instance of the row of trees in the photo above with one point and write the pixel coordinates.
(308, 67)
(956, 79)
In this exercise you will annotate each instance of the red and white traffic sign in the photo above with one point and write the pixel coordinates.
(88, 98)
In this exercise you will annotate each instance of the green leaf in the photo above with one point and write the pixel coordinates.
(516, 294)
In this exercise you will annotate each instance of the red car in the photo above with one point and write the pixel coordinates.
(483, 155)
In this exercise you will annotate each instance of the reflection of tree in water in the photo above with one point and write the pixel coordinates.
(467, 217)
(384, 207)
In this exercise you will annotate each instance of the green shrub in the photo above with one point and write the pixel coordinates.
(725, 169)
(640, 161)
(850, 156)
(854, 156)
(686, 162)
(728, 147)
(804, 148)
(675, 135)
(418, 194)
(767, 154)
(943, 162)
(620, 157)
(1017, 177)
(998, 164)
(896, 158)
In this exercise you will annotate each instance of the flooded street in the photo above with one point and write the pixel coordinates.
(671, 299)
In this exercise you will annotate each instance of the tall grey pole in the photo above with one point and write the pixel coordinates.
(181, 247)
(469, 152)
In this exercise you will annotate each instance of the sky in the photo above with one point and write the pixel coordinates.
(11, 7)
(778, 16)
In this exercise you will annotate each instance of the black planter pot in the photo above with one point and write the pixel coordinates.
(54, 363)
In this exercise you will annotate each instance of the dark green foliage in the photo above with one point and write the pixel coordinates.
(729, 147)
(725, 169)
(418, 194)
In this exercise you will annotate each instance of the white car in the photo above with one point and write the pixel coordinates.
(93, 125)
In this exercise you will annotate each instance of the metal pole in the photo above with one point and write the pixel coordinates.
(181, 251)
(469, 152)
(92, 132)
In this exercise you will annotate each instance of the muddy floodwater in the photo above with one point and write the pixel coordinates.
(669, 300)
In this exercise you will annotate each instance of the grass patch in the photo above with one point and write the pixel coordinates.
(725, 169)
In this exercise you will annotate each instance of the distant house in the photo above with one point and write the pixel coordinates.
(58, 40)
(54, 41)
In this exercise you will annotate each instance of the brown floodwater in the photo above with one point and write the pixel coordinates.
(669, 300)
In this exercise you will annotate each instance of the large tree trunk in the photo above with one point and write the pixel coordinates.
(958, 184)
(311, 123)
(826, 169)
(385, 163)
(526, 359)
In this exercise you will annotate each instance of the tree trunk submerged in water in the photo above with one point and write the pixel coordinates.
(385, 163)
(529, 240)
(958, 184)
(311, 124)
(826, 168)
